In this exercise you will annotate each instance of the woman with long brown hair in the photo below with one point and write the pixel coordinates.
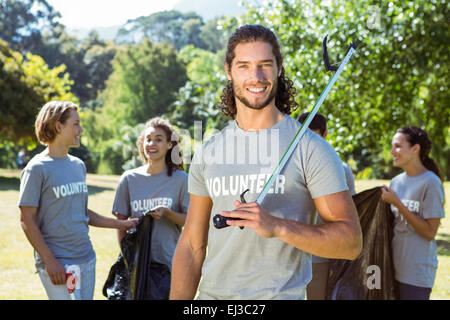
(157, 188)
(417, 201)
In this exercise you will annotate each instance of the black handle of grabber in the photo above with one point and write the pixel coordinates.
(220, 221)
(328, 67)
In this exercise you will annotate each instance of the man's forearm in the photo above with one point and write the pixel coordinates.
(337, 240)
(186, 271)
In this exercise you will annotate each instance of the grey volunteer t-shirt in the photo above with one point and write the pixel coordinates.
(57, 187)
(139, 192)
(349, 178)
(240, 264)
(415, 258)
(351, 186)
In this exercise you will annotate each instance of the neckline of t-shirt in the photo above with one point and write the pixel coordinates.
(275, 126)
(46, 155)
(143, 170)
(417, 175)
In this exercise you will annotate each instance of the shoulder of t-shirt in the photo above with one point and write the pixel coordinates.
(295, 126)
(179, 174)
(36, 163)
(432, 178)
(209, 143)
(398, 177)
(75, 159)
(36, 160)
(133, 172)
(315, 140)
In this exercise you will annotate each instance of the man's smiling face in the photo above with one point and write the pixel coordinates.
(254, 73)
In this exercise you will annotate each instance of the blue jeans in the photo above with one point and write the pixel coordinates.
(60, 292)
(410, 292)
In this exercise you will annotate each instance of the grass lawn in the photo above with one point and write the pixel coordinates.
(17, 271)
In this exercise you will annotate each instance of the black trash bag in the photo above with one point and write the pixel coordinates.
(117, 285)
(130, 277)
(354, 280)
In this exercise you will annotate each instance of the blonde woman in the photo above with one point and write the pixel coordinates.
(53, 205)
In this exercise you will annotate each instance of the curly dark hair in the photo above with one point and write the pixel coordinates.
(284, 99)
(173, 153)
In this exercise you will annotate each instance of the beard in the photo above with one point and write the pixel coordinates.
(257, 106)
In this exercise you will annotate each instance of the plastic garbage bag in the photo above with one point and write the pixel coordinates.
(371, 275)
(133, 276)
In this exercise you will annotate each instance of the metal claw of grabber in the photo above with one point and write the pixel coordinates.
(220, 221)
(326, 61)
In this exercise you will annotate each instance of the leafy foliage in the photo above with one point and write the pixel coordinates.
(197, 99)
(25, 85)
(171, 64)
(174, 27)
(22, 22)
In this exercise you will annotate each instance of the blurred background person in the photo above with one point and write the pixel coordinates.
(417, 202)
(316, 289)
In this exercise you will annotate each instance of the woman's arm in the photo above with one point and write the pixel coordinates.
(426, 228)
(177, 217)
(55, 269)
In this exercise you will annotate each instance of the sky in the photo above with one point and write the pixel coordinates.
(106, 13)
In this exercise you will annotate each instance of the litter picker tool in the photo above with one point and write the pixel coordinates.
(220, 221)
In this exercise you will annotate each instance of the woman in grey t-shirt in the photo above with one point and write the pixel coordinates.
(158, 188)
(53, 206)
(417, 202)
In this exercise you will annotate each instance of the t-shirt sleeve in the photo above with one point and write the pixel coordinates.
(184, 195)
(323, 169)
(433, 202)
(196, 181)
(122, 199)
(31, 181)
(349, 178)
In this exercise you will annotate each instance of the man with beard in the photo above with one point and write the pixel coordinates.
(270, 258)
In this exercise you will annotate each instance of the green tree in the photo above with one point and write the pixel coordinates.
(98, 56)
(178, 29)
(25, 85)
(22, 22)
(88, 62)
(197, 99)
(213, 36)
(143, 83)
